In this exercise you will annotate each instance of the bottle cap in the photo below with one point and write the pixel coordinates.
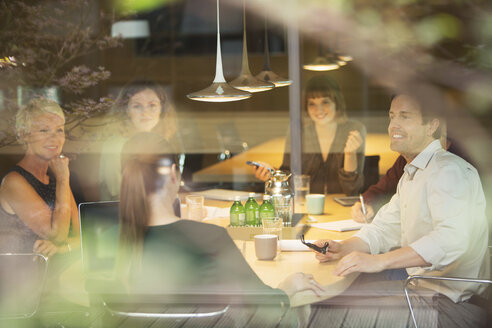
(252, 194)
(267, 197)
(237, 198)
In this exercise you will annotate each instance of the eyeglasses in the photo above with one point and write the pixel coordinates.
(318, 249)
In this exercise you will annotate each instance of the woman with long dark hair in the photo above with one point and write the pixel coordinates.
(143, 106)
(162, 253)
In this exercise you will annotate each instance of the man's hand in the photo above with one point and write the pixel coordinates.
(359, 262)
(333, 253)
(357, 215)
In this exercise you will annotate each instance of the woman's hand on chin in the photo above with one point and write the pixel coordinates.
(59, 167)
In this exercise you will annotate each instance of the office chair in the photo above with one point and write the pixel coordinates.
(22, 279)
(416, 277)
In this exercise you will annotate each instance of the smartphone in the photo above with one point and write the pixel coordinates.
(253, 163)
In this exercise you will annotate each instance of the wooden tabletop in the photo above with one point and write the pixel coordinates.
(287, 263)
(235, 169)
(270, 272)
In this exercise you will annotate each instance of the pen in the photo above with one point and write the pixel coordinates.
(364, 211)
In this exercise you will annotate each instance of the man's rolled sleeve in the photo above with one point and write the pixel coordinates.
(383, 233)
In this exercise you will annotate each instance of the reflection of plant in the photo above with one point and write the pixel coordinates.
(48, 39)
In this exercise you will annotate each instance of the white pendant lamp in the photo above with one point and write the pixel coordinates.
(322, 63)
(266, 74)
(346, 58)
(246, 81)
(219, 90)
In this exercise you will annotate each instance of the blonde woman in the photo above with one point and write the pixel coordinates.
(145, 107)
(37, 209)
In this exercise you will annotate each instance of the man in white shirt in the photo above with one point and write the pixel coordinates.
(435, 223)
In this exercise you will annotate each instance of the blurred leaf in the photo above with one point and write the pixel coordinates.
(434, 29)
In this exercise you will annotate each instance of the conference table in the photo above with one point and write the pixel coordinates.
(270, 272)
(271, 151)
(287, 262)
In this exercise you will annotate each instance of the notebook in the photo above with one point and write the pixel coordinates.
(224, 194)
(342, 225)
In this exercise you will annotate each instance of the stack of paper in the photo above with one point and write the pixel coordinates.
(294, 245)
(224, 194)
(343, 225)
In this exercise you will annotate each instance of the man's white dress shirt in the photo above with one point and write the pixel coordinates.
(439, 211)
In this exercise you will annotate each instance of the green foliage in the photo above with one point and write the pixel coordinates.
(48, 39)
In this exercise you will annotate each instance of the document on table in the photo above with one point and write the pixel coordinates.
(294, 245)
(342, 225)
(224, 194)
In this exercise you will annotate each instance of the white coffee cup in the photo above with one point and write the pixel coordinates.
(266, 246)
(315, 203)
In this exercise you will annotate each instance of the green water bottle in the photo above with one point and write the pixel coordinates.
(238, 215)
(266, 209)
(252, 210)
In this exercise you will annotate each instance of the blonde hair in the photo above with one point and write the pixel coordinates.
(26, 114)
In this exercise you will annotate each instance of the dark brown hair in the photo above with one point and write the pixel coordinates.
(325, 86)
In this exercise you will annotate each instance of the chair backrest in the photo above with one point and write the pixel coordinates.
(21, 283)
(371, 171)
(99, 237)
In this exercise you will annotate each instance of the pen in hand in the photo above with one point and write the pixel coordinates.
(364, 210)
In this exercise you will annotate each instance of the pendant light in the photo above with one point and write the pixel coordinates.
(266, 74)
(246, 81)
(346, 58)
(219, 90)
(322, 62)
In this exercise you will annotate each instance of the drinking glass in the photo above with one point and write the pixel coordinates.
(194, 204)
(301, 189)
(273, 226)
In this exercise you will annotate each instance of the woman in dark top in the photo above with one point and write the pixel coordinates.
(161, 253)
(332, 145)
(37, 207)
(140, 106)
